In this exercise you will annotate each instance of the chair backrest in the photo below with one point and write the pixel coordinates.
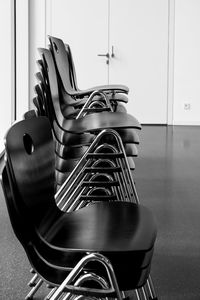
(53, 96)
(62, 62)
(43, 93)
(72, 67)
(29, 178)
(39, 101)
(18, 224)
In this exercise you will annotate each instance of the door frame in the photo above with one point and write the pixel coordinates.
(10, 76)
(21, 58)
(170, 62)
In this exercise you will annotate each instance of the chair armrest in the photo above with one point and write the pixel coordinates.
(88, 103)
(113, 88)
(81, 100)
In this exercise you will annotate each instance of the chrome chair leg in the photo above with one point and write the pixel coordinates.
(81, 297)
(34, 290)
(144, 293)
(33, 280)
(62, 192)
(50, 293)
(138, 295)
(80, 265)
(84, 278)
(151, 289)
(32, 271)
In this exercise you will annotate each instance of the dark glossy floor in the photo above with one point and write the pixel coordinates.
(168, 181)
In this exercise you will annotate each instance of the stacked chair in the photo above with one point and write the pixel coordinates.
(70, 191)
(69, 138)
(97, 252)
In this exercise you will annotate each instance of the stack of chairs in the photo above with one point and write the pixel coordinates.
(78, 117)
(97, 217)
(101, 251)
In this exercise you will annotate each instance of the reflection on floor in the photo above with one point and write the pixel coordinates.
(168, 181)
(167, 176)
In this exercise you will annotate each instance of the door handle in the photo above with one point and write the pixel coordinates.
(112, 54)
(106, 55)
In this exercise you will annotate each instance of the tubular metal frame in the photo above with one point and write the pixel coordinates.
(79, 267)
(84, 110)
(66, 187)
(84, 278)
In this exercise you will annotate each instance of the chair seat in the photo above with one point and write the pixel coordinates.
(72, 139)
(122, 231)
(67, 165)
(107, 227)
(98, 122)
(79, 151)
(128, 135)
(128, 276)
(71, 152)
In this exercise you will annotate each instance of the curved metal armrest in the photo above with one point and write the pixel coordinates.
(113, 88)
(82, 100)
(89, 101)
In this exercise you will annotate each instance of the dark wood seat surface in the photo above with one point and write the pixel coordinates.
(75, 152)
(104, 120)
(82, 233)
(127, 135)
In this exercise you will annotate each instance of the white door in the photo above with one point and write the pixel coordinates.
(139, 36)
(138, 32)
(83, 24)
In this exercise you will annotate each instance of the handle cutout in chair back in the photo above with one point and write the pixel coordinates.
(55, 47)
(45, 63)
(28, 144)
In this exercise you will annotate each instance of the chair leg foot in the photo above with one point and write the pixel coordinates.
(34, 290)
(150, 288)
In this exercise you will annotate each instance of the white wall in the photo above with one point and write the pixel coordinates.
(5, 73)
(37, 38)
(187, 62)
(22, 56)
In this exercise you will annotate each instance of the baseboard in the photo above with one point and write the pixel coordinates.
(153, 124)
(187, 123)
